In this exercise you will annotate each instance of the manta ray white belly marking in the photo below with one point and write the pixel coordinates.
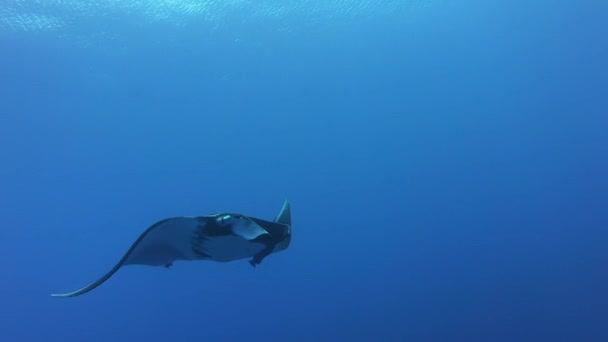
(220, 238)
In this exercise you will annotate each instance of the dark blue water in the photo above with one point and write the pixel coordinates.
(446, 163)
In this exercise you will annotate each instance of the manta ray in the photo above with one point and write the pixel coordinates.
(220, 237)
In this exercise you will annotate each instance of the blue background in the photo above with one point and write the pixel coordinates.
(446, 163)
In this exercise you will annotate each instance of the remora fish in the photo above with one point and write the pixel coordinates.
(221, 237)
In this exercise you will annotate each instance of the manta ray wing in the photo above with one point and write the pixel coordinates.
(161, 244)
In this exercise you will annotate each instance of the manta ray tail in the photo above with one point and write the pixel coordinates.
(91, 286)
(284, 216)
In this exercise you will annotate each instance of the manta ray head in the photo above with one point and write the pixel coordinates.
(241, 223)
(279, 229)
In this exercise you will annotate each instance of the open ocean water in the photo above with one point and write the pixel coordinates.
(446, 162)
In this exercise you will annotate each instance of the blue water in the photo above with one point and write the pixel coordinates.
(446, 162)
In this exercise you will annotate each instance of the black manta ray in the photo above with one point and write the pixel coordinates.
(221, 237)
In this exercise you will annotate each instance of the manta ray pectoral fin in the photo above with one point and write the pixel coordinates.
(284, 215)
(165, 229)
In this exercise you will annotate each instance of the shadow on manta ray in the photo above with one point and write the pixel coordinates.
(221, 237)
